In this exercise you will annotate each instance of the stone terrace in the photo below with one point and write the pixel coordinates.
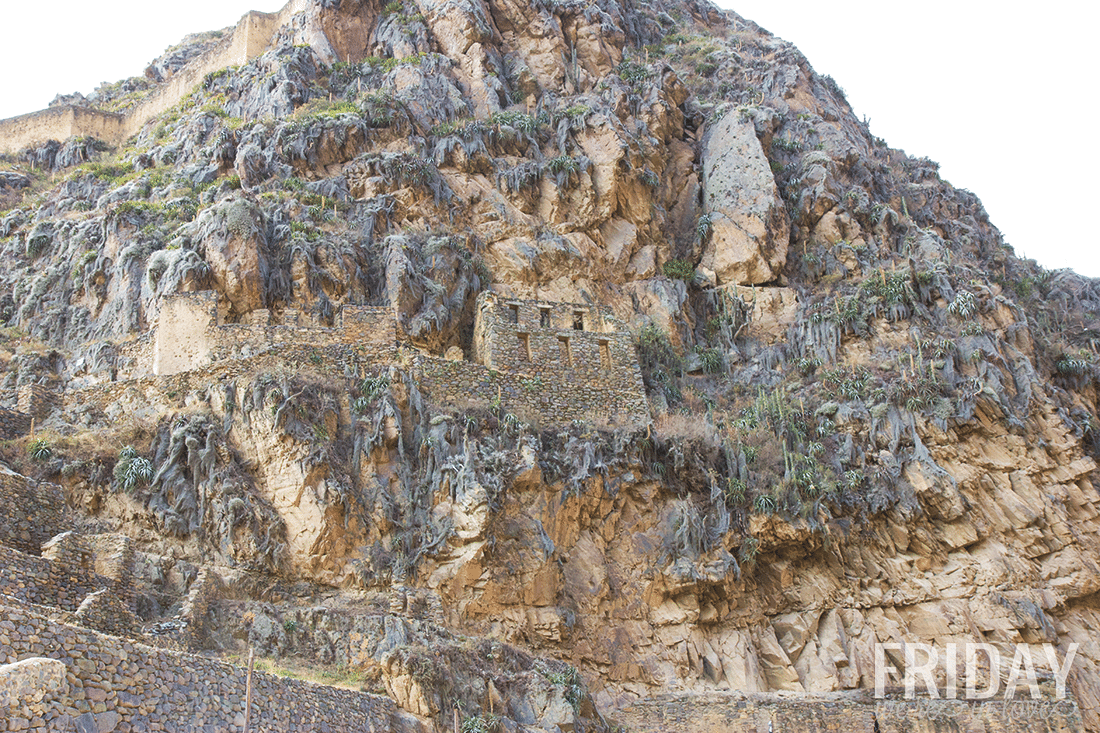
(58, 673)
(112, 684)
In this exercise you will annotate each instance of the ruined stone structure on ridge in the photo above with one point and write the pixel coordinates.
(547, 362)
(553, 363)
(561, 341)
(249, 38)
(190, 334)
(539, 361)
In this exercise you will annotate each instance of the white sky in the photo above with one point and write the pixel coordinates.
(1003, 100)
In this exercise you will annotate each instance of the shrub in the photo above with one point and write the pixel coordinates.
(679, 270)
(570, 679)
(711, 360)
(37, 244)
(485, 723)
(964, 305)
(323, 109)
(661, 365)
(132, 470)
(632, 73)
(703, 227)
(40, 450)
(1070, 366)
(562, 164)
(765, 504)
(372, 387)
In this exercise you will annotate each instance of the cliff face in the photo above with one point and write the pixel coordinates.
(870, 421)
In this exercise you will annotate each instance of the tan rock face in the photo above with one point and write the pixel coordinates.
(234, 251)
(962, 525)
(988, 559)
(749, 224)
(772, 310)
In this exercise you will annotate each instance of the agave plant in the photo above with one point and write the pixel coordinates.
(40, 450)
(132, 470)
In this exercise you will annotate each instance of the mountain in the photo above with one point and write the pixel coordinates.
(530, 366)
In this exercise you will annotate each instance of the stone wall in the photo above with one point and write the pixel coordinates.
(46, 582)
(562, 361)
(159, 390)
(250, 38)
(184, 332)
(118, 685)
(31, 683)
(113, 556)
(761, 713)
(196, 607)
(535, 395)
(58, 123)
(13, 424)
(36, 400)
(554, 374)
(188, 335)
(133, 359)
(30, 512)
(64, 578)
(576, 343)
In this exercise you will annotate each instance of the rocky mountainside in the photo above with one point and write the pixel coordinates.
(871, 422)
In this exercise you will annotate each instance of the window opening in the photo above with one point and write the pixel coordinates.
(605, 355)
(566, 352)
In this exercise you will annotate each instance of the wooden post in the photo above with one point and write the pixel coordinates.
(32, 428)
(456, 720)
(248, 691)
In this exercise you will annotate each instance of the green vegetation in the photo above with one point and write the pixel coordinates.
(563, 164)
(40, 450)
(703, 227)
(632, 73)
(132, 470)
(661, 366)
(679, 270)
(484, 723)
(570, 680)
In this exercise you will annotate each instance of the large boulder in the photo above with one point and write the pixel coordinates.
(29, 682)
(749, 224)
(232, 241)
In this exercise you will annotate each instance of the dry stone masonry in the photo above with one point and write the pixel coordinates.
(30, 512)
(764, 713)
(550, 362)
(546, 362)
(112, 684)
(250, 37)
(58, 673)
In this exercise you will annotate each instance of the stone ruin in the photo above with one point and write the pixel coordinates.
(551, 363)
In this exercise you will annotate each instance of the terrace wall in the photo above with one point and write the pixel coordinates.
(118, 685)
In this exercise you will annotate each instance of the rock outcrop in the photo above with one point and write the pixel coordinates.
(868, 421)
